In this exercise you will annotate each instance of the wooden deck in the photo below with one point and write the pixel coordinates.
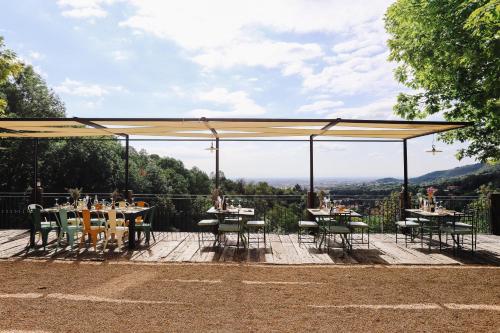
(280, 249)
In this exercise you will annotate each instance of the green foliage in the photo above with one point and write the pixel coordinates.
(10, 66)
(447, 51)
(28, 96)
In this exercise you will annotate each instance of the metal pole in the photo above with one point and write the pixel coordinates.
(126, 165)
(310, 194)
(35, 171)
(217, 179)
(35, 190)
(405, 184)
(311, 165)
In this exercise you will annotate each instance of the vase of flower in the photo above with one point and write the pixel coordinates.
(430, 194)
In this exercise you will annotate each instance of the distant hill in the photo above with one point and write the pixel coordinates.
(447, 175)
(451, 173)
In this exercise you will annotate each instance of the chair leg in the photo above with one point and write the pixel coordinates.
(94, 240)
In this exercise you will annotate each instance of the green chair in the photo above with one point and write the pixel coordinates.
(460, 226)
(206, 226)
(329, 227)
(409, 228)
(71, 231)
(306, 228)
(43, 228)
(231, 223)
(147, 225)
(256, 226)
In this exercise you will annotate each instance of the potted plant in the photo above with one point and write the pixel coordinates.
(321, 198)
(115, 196)
(215, 197)
(75, 193)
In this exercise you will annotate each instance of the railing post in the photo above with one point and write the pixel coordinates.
(495, 213)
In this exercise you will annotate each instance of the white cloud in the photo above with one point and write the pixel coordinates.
(266, 53)
(84, 8)
(34, 55)
(78, 88)
(326, 147)
(207, 24)
(378, 109)
(237, 103)
(120, 55)
(227, 33)
(320, 107)
(358, 64)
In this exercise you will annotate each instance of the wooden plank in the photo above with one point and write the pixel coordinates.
(303, 251)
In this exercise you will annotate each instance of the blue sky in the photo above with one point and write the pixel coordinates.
(293, 58)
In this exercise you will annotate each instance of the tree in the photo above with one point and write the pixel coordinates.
(447, 52)
(10, 66)
(27, 95)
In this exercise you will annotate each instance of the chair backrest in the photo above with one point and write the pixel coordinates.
(343, 218)
(32, 207)
(86, 220)
(120, 219)
(232, 217)
(325, 220)
(142, 204)
(150, 216)
(36, 218)
(63, 219)
(112, 221)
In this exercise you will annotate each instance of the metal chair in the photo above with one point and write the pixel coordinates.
(422, 222)
(338, 226)
(147, 225)
(462, 224)
(256, 226)
(43, 229)
(307, 226)
(364, 227)
(231, 223)
(211, 225)
(407, 228)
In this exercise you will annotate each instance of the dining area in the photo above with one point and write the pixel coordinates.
(94, 223)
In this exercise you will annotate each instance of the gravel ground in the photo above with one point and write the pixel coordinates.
(116, 297)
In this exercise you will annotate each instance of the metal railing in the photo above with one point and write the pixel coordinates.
(182, 212)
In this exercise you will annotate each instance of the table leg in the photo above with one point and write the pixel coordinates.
(131, 231)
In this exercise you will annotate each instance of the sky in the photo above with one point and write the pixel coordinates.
(275, 58)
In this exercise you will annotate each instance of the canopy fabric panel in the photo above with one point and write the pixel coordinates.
(221, 127)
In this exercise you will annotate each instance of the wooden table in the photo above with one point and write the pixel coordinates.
(436, 216)
(245, 212)
(130, 213)
(316, 212)
(232, 211)
(441, 213)
(327, 212)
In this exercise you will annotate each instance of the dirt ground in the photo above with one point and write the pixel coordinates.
(123, 297)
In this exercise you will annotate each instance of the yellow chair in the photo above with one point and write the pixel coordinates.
(114, 230)
(91, 230)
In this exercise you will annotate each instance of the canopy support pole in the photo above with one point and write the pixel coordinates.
(405, 184)
(217, 178)
(310, 194)
(35, 171)
(128, 195)
(34, 191)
